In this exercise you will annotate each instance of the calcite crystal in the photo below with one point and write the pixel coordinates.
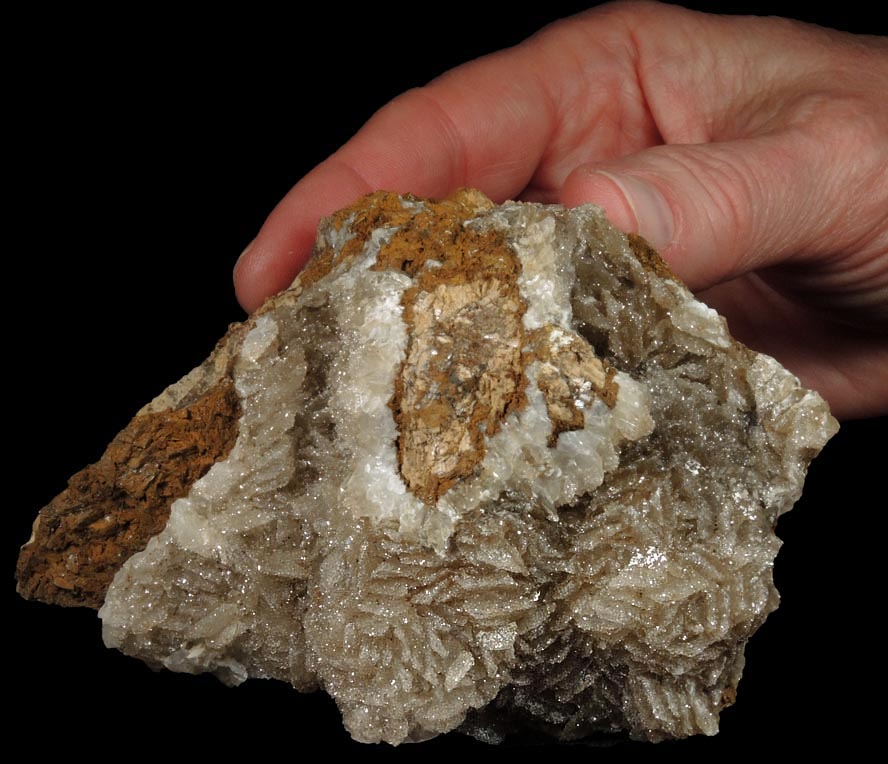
(480, 467)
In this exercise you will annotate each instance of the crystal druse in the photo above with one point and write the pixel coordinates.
(480, 467)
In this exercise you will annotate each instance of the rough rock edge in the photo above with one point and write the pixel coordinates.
(85, 534)
(111, 509)
(643, 696)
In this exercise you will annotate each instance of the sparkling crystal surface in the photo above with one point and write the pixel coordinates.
(494, 468)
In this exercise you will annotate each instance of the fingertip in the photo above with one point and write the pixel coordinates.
(241, 278)
(588, 185)
(262, 271)
(284, 244)
(632, 204)
(249, 286)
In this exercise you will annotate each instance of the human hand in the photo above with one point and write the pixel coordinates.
(751, 152)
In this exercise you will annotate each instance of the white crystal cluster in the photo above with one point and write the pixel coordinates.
(607, 582)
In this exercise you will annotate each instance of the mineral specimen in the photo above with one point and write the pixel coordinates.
(480, 467)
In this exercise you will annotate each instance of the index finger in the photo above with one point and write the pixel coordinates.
(484, 124)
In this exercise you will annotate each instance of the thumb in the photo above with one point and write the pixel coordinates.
(718, 210)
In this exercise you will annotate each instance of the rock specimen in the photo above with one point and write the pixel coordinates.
(480, 467)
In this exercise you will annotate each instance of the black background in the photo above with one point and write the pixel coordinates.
(145, 152)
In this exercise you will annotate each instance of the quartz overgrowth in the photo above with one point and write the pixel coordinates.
(480, 467)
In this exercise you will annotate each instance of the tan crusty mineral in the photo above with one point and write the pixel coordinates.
(480, 467)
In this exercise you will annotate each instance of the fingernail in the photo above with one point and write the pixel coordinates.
(652, 211)
(244, 254)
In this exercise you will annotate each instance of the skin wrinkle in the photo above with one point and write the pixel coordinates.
(409, 107)
(486, 168)
(538, 189)
(511, 164)
(586, 103)
(547, 175)
(841, 239)
(352, 170)
(721, 186)
(661, 91)
(784, 159)
(458, 152)
(635, 55)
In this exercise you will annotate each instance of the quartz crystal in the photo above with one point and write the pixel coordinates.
(480, 467)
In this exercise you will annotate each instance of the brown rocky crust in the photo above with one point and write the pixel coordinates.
(112, 508)
(464, 370)
(459, 381)
(569, 376)
(413, 243)
(649, 257)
